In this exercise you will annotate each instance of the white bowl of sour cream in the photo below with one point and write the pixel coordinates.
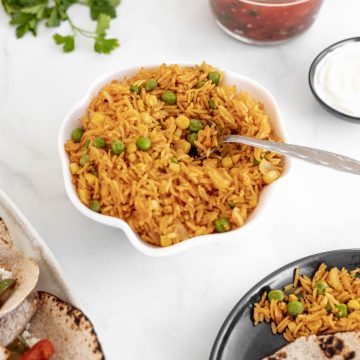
(334, 78)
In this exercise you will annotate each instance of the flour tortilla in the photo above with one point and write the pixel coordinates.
(69, 330)
(24, 270)
(338, 346)
(4, 354)
(14, 323)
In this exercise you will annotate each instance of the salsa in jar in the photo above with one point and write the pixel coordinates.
(265, 21)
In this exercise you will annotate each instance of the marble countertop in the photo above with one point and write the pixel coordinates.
(172, 308)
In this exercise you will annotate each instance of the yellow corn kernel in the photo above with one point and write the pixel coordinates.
(292, 297)
(235, 158)
(146, 117)
(183, 146)
(178, 133)
(167, 240)
(353, 305)
(84, 196)
(90, 178)
(354, 315)
(174, 167)
(292, 326)
(182, 122)
(97, 117)
(150, 100)
(74, 168)
(234, 171)
(132, 157)
(271, 176)
(131, 148)
(227, 162)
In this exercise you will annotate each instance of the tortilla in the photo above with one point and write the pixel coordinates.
(338, 346)
(69, 330)
(24, 270)
(4, 354)
(14, 323)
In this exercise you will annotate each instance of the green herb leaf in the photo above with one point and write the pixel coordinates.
(67, 42)
(21, 19)
(105, 46)
(103, 23)
(37, 10)
(27, 14)
(54, 18)
(22, 30)
(98, 7)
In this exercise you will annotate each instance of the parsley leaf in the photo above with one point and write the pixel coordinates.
(68, 42)
(54, 18)
(106, 7)
(105, 46)
(27, 14)
(24, 23)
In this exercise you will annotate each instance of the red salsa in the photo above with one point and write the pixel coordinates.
(265, 21)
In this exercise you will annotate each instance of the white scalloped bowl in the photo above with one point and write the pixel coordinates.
(72, 120)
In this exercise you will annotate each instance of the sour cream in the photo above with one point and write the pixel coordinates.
(337, 79)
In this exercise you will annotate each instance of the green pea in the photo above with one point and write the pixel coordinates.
(222, 224)
(295, 308)
(84, 159)
(195, 125)
(341, 311)
(200, 84)
(143, 143)
(212, 104)
(150, 85)
(117, 147)
(320, 287)
(174, 160)
(276, 295)
(5, 285)
(77, 134)
(135, 89)
(214, 77)
(168, 97)
(191, 138)
(99, 142)
(95, 206)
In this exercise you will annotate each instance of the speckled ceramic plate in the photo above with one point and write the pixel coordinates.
(238, 339)
(30, 244)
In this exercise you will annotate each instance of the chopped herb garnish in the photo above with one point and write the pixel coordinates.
(26, 15)
(252, 13)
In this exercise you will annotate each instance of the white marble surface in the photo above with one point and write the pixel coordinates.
(172, 308)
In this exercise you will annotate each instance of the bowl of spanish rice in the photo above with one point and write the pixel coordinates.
(128, 154)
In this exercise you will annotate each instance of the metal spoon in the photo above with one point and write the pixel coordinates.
(311, 155)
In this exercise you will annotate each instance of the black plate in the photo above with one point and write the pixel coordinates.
(312, 71)
(238, 339)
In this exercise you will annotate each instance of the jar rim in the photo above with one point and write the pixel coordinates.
(273, 2)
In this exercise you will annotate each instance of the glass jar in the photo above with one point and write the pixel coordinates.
(265, 21)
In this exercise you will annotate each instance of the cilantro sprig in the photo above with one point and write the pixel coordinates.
(26, 15)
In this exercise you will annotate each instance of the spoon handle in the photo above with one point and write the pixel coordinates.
(314, 156)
